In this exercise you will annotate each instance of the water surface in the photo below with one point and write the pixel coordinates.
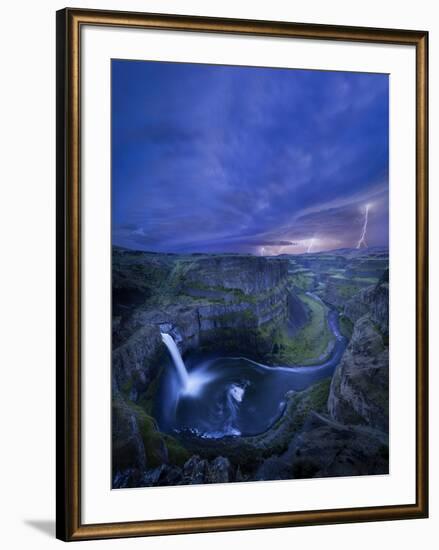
(234, 395)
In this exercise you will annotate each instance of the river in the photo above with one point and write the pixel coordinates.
(235, 396)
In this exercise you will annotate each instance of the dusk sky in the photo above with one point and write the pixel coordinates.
(212, 158)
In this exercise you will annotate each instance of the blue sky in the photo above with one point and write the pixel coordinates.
(212, 158)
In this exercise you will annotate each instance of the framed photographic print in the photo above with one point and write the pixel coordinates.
(242, 274)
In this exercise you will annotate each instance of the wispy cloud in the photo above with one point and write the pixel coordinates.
(229, 158)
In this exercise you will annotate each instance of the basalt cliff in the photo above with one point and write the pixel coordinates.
(204, 302)
(258, 307)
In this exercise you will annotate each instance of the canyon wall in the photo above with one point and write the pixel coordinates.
(204, 303)
(360, 385)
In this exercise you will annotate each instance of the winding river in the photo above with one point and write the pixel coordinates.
(234, 396)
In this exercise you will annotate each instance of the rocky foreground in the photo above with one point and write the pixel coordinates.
(257, 307)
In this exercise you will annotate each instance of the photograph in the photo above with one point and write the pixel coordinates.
(217, 229)
(249, 274)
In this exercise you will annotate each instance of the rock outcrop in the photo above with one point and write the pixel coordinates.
(325, 448)
(206, 302)
(360, 385)
(129, 360)
(297, 314)
(248, 274)
(195, 471)
(337, 426)
(373, 300)
(128, 448)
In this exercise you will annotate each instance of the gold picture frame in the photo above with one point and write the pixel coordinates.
(69, 24)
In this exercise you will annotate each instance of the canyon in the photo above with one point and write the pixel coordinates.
(315, 325)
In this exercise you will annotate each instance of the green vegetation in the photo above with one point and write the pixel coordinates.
(244, 318)
(142, 274)
(339, 276)
(177, 454)
(366, 280)
(336, 271)
(346, 326)
(342, 287)
(151, 438)
(303, 279)
(146, 401)
(299, 406)
(363, 281)
(347, 291)
(249, 451)
(150, 289)
(309, 343)
(157, 445)
(160, 280)
(126, 387)
(318, 395)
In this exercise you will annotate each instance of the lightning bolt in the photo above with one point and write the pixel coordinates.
(362, 241)
(310, 245)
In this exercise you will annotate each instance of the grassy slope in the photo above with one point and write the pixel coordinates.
(310, 342)
(303, 279)
(157, 444)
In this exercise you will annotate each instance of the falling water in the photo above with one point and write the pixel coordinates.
(220, 397)
(176, 357)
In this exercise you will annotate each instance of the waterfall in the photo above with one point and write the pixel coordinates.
(176, 357)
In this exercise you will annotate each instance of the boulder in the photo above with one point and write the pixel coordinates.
(219, 470)
(195, 470)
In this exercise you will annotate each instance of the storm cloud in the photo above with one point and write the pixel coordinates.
(240, 159)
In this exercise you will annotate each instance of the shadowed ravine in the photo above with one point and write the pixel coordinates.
(234, 396)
